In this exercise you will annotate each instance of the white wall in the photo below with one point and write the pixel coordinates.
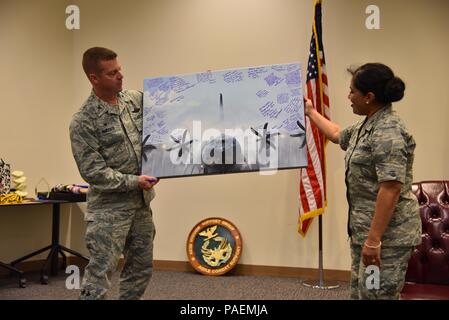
(36, 89)
(45, 85)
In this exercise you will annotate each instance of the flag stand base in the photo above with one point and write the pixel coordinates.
(319, 284)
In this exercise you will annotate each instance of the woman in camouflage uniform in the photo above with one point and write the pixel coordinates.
(383, 224)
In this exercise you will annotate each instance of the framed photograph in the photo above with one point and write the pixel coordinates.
(229, 121)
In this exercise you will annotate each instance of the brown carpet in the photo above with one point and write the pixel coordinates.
(170, 285)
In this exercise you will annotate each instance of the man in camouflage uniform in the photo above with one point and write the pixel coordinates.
(106, 135)
(384, 223)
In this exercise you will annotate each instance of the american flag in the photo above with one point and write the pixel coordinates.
(312, 187)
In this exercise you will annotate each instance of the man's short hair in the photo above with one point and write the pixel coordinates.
(93, 56)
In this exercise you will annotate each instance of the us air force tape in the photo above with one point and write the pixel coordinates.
(214, 246)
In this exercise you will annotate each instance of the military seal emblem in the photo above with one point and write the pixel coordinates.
(214, 246)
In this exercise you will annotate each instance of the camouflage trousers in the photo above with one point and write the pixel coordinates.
(390, 276)
(111, 234)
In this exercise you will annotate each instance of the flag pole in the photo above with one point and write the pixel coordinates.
(316, 44)
(320, 283)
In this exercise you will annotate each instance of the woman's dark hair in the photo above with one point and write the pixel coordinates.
(380, 80)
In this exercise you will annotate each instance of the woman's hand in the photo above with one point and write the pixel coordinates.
(371, 255)
(308, 106)
(328, 128)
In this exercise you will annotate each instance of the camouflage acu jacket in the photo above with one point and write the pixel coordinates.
(380, 149)
(106, 144)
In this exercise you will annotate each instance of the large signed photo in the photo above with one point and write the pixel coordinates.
(229, 121)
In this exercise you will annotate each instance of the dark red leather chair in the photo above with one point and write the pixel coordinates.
(428, 269)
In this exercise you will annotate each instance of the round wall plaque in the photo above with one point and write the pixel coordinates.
(214, 246)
